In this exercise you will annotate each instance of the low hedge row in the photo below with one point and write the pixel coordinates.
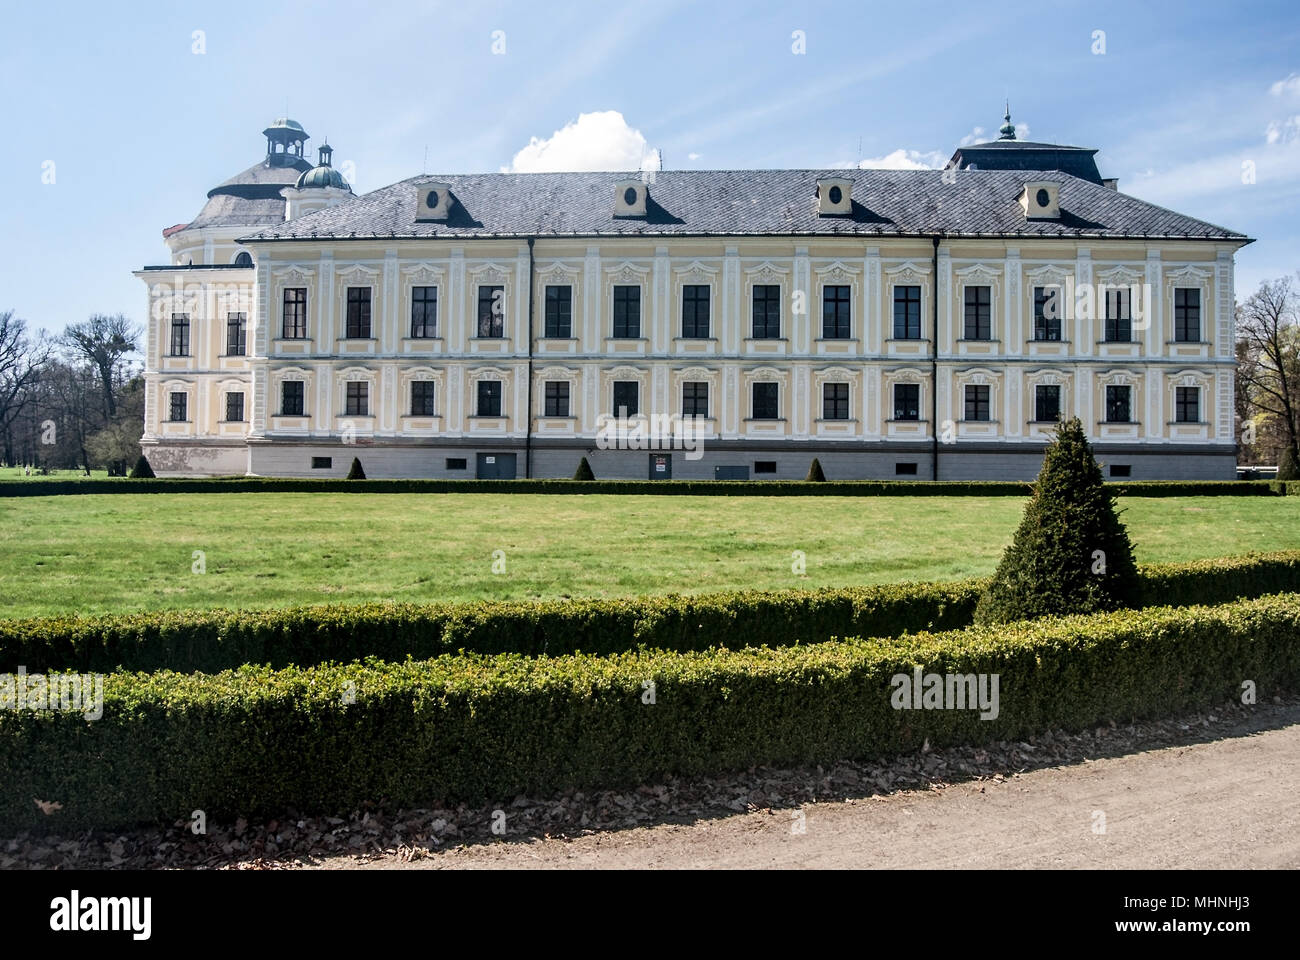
(257, 741)
(221, 640)
(714, 488)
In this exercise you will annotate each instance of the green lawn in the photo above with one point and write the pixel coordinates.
(127, 552)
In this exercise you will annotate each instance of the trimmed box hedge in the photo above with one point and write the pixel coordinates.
(258, 742)
(221, 640)
(713, 488)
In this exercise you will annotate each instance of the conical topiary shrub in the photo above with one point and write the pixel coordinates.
(1287, 468)
(355, 472)
(815, 474)
(1070, 554)
(142, 470)
(584, 471)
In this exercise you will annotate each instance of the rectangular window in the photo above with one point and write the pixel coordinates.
(356, 399)
(627, 311)
(492, 312)
(979, 313)
(457, 463)
(1187, 314)
(977, 401)
(234, 408)
(626, 394)
(764, 466)
(177, 413)
(358, 323)
(1119, 320)
(904, 469)
(907, 401)
(489, 398)
(424, 313)
(1187, 404)
(291, 398)
(236, 334)
(559, 312)
(322, 463)
(907, 313)
(294, 320)
(835, 401)
(1118, 408)
(695, 311)
(695, 399)
(1047, 403)
(557, 398)
(836, 313)
(767, 311)
(422, 398)
(180, 342)
(1047, 313)
(767, 401)
(1121, 470)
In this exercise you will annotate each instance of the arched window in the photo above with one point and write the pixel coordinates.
(244, 260)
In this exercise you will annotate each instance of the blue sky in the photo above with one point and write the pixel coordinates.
(139, 126)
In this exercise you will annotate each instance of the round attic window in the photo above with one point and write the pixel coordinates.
(1043, 198)
(836, 195)
(629, 196)
(431, 201)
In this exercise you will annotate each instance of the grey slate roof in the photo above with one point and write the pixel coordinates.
(747, 203)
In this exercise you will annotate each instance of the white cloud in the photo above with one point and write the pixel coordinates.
(693, 157)
(1022, 131)
(1285, 132)
(902, 159)
(975, 136)
(1289, 86)
(595, 141)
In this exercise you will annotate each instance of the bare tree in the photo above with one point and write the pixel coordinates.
(1270, 369)
(22, 358)
(105, 342)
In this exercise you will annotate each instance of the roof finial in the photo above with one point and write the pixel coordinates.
(1008, 130)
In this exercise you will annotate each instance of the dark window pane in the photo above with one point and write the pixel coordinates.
(1187, 314)
(1047, 403)
(235, 407)
(489, 398)
(695, 310)
(295, 313)
(180, 339)
(291, 398)
(836, 313)
(907, 313)
(177, 413)
(356, 401)
(695, 399)
(907, 401)
(1119, 321)
(835, 401)
(979, 315)
(1047, 313)
(422, 398)
(424, 312)
(557, 398)
(627, 311)
(626, 393)
(977, 402)
(358, 320)
(1118, 409)
(491, 312)
(766, 401)
(767, 311)
(559, 311)
(1187, 404)
(236, 334)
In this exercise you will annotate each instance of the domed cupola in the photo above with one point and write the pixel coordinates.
(323, 174)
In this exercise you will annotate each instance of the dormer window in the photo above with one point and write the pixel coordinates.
(1041, 201)
(630, 198)
(433, 201)
(834, 197)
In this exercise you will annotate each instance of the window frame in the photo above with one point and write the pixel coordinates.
(761, 328)
(557, 323)
(293, 308)
(356, 398)
(428, 390)
(358, 324)
(835, 400)
(1112, 401)
(692, 306)
(625, 321)
(231, 395)
(983, 312)
(622, 386)
(301, 398)
(1182, 405)
(837, 311)
(556, 401)
(1181, 323)
(1038, 402)
(178, 400)
(691, 404)
(902, 408)
(423, 326)
(178, 343)
(1043, 324)
(767, 386)
(977, 399)
(494, 393)
(494, 320)
(1118, 327)
(903, 326)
